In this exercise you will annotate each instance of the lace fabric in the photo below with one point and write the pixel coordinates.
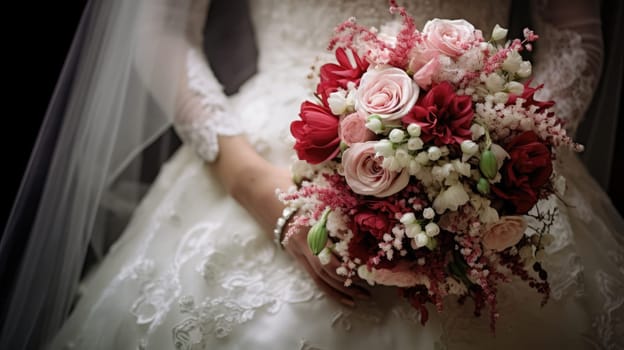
(203, 111)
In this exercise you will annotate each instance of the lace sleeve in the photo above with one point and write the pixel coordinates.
(568, 58)
(202, 110)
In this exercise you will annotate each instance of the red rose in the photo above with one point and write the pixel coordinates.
(528, 169)
(372, 223)
(368, 228)
(527, 95)
(334, 76)
(316, 133)
(443, 116)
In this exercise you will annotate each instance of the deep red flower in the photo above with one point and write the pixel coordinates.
(371, 220)
(528, 169)
(528, 95)
(316, 133)
(443, 116)
(373, 223)
(334, 76)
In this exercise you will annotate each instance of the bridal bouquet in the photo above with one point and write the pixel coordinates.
(423, 159)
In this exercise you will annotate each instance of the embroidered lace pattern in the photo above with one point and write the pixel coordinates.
(209, 114)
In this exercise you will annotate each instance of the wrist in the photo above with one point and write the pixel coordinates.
(280, 226)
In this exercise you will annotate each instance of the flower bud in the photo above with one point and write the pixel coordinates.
(512, 63)
(501, 97)
(428, 213)
(373, 123)
(337, 102)
(413, 167)
(421, 240)
(524, 70)
(434, 153)
(413, 130)
(469, 147)
(415, 143)
(412, 230)
(396, 136)
(499, 33)
(317, 236)
(384, 148)
(402, 157)
(494, 82)
(408, 218)
(514, 87)
(483, 186)
(432, 229)
(487, 164)
(325, 256)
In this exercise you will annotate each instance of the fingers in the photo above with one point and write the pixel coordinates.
(326, 288)
(337, 281)
(326, 276)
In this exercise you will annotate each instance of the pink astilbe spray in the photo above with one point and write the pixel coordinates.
(407, 38)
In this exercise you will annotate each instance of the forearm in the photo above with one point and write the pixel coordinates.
(251, 180)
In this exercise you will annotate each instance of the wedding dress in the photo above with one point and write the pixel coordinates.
(194, 271)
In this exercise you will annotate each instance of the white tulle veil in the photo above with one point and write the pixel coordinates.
(116, 96)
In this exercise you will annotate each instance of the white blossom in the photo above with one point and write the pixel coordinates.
(396, 136)
(408, 218)
(434, 153)
(413, 167)
(513, 61)
(338, 102)
(525, 69)
(500, 97)
(373, 123)
(451, 198)
(421, 240)
(432, 229)
(494, 82)
(402, 157)
(366, 275)
(415, 143)
(499, 33)
(477, 131)
(422, 158)
(469, 147)
(514, 87)
(325, 256)
(413, 130)
(412, 230)
(384, 148)
(428, 213)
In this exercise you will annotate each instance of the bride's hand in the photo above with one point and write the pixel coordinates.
(325, 276)
(252, 181)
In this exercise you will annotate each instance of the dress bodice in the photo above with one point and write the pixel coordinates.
(302, 28)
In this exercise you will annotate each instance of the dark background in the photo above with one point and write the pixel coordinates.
(34, 46)
(35, 57)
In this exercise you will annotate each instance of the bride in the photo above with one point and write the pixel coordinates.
(194, 269)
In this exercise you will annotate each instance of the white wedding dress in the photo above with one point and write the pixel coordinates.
(194, 271)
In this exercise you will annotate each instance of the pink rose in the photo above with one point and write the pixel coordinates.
(504, 233)
(353, 129)
(365, 175)
(424, 63)
(450, 37)
(388, 92)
